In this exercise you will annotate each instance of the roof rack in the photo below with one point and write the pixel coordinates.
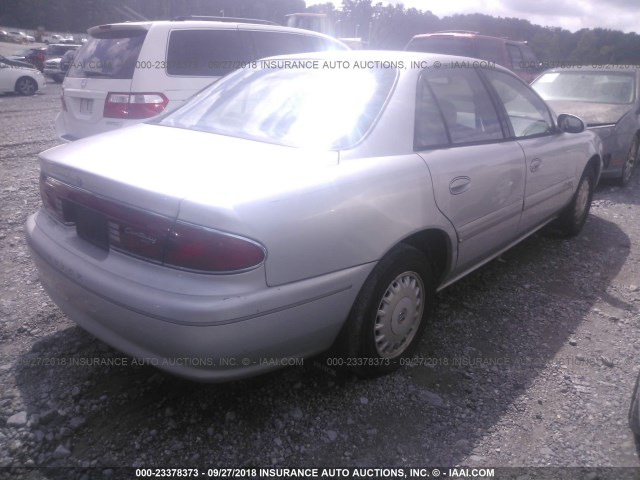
(182, 18)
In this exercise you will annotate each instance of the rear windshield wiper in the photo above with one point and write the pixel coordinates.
(97, 74)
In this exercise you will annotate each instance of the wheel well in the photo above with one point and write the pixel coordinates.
(25, 76)
(595, 164)
(435, 245)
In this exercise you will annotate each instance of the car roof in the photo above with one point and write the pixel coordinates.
(595, 69)
(203, 24)
(465, 34)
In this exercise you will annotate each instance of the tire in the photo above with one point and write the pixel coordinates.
(574, 216)
(58, 79)
(630, 163)
(26, 86)
(634, 409)
(389, 314)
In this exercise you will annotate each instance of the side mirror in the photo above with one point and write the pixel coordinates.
(570, 123)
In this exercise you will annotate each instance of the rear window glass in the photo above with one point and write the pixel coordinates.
(113, 55)
(329, 109)
(462, 46)
(207, 53)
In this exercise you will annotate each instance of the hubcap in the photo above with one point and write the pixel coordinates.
(26, 87)
(399, 315)
(582, 200)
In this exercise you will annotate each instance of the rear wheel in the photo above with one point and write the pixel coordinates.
(573, 218)
(389, 313)
(26, 86)
(630, 162)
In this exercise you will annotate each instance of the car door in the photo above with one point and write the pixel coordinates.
(5, 75)
(478, 176)
(551, 157)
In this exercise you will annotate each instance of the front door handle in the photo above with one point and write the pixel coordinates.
(459, 185)
(535, 165)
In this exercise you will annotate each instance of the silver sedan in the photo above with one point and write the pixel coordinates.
(302, 203)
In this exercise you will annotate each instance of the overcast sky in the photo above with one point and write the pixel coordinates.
(570, 14)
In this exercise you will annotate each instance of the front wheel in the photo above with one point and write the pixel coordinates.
(574, 216)
(634, 409)
(389, 314)
(630, 162)
(26, 86)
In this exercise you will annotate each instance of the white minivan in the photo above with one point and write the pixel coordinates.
(127, 73)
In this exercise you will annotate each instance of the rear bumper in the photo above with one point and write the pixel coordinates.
(69, 130)
(214, 336)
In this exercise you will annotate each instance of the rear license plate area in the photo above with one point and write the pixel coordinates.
(92, 226)
(86, 106)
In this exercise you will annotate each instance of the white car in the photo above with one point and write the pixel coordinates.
(18, 37)
(129, 72)
(53, 38)
(17, 77)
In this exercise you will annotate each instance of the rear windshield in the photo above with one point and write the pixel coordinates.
(328, 109)
(112, 55)
(594, 87)
(462, 46)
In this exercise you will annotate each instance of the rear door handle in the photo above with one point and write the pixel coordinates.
(535, 165)
(459, 185)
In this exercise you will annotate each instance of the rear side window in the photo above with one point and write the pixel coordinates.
(466, 107)
(515, 55)
(207, 53)
(268, 44)
(491, 49)
(429, 130)
(111, 55)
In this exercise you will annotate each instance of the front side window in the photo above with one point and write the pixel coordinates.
(527, 113)
(328, 109)
(465, 106)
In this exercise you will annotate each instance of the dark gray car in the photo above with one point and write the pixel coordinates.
(606, 97)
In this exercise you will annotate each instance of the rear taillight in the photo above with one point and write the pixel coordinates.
(153, 237)
(134, 105)
(196, 248)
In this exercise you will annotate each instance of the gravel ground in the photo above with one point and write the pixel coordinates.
(530, 361)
